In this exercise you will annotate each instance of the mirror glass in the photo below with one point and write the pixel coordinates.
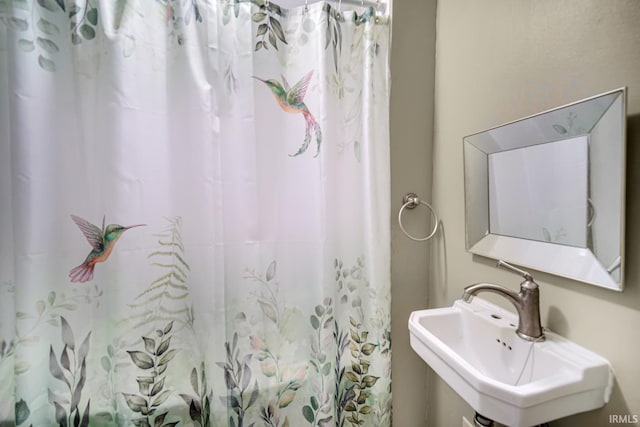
(547, 191)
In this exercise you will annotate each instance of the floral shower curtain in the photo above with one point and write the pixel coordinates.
(194, 222)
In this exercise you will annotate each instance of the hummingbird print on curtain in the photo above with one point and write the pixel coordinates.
(290, 99)
(101, 240)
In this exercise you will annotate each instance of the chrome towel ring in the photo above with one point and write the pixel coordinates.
(411, 200)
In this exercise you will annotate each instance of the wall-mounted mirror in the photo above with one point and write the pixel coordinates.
(547, 191)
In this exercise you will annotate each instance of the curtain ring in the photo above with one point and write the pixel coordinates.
(306, 5)
(339, 14)
(411, 200)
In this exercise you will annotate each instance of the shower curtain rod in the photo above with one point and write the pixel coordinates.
(379, 6)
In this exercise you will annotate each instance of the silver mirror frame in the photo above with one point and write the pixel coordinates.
(577, 263)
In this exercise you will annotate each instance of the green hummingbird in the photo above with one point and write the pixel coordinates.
(290, 99)
(102, 242)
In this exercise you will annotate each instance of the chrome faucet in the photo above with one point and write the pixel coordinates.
(527, 302)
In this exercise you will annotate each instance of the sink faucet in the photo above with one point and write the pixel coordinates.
(527, 302)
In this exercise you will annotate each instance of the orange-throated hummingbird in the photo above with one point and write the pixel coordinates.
(102, 242)
(290, 100)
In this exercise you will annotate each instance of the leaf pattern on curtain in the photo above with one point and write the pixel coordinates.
(39, 33)
(72, 371)
(340, 358)
(261, 382)
(258, 334)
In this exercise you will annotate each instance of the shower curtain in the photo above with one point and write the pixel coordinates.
(194, 222)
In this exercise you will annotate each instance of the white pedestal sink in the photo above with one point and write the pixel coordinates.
(473, 347)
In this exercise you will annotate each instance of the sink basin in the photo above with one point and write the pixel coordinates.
(474, 348)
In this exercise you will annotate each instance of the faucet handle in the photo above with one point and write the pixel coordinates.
(528, 277)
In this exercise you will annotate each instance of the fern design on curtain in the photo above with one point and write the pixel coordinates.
(258, 291)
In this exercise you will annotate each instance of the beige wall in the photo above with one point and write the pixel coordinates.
(412, 85)
(499, 60)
